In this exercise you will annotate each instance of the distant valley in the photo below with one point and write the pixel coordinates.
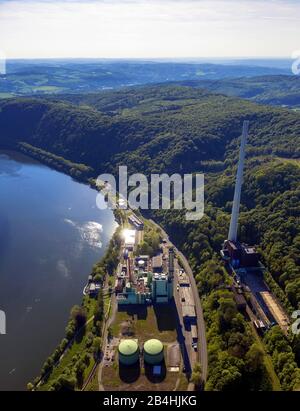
(40, 77)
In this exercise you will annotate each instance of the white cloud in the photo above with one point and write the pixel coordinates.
(149, 28)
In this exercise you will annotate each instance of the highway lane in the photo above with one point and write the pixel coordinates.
(192, 354)
(202, 345)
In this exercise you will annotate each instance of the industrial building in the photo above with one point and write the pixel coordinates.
(157, 263)
(142, 262)
(160, 291)
(240, 255)
(276, 310)
(129, 239)
(138, 293)
(186, 298)
(140, 283)
(136, 222)
(93, 289)
(128, 352)
(153, 352)
(187, 303)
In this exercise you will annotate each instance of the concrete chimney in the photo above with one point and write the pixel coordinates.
(232, 236)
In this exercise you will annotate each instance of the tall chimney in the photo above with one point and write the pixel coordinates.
(232, 236)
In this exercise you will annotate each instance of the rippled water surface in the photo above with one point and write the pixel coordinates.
(51, 233)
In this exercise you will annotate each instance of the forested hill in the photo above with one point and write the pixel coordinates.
(152, 128)
(171, 128)
(277, 90)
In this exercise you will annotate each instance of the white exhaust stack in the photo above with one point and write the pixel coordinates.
(232, 236)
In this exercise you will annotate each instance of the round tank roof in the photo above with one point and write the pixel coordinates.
(128, 347)
(153, 347)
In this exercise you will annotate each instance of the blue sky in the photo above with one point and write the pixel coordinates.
(149, 28)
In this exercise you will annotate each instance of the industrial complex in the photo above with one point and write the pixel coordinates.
(154, 282)
(141, 279)
(243, 263)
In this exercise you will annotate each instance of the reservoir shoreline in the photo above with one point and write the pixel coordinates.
(13, 382)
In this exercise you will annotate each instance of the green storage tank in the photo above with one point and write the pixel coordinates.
(153, 351)
(128, 352)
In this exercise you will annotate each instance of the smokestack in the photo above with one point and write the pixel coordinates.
(232, 236)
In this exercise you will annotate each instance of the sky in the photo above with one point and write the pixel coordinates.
(149, 28)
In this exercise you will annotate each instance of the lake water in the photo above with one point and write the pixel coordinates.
(51, 234)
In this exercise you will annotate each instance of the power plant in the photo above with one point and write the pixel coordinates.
(261, 305)
(144, 280)
(148, 276)
(237, 254)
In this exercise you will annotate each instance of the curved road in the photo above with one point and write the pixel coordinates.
(200, 319)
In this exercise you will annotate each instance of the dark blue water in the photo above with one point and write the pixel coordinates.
(51, 234)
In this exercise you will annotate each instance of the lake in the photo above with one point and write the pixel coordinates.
(51, 234)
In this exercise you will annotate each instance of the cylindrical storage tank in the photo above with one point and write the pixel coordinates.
(128, 352)
(153, 351)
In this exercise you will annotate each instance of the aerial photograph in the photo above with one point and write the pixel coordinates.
(149, 199)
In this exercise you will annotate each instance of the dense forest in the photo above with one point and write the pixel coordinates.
(278, 90)
(151, 128)
(175, 128)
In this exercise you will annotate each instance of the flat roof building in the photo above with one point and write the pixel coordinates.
(187, 303)
(129, 238)
(136, 222)
(157, 263)
(160, 288)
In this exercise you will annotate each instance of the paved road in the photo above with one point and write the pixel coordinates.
(190, 357)
(108, 320)
(200, 319)
(107, 324)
